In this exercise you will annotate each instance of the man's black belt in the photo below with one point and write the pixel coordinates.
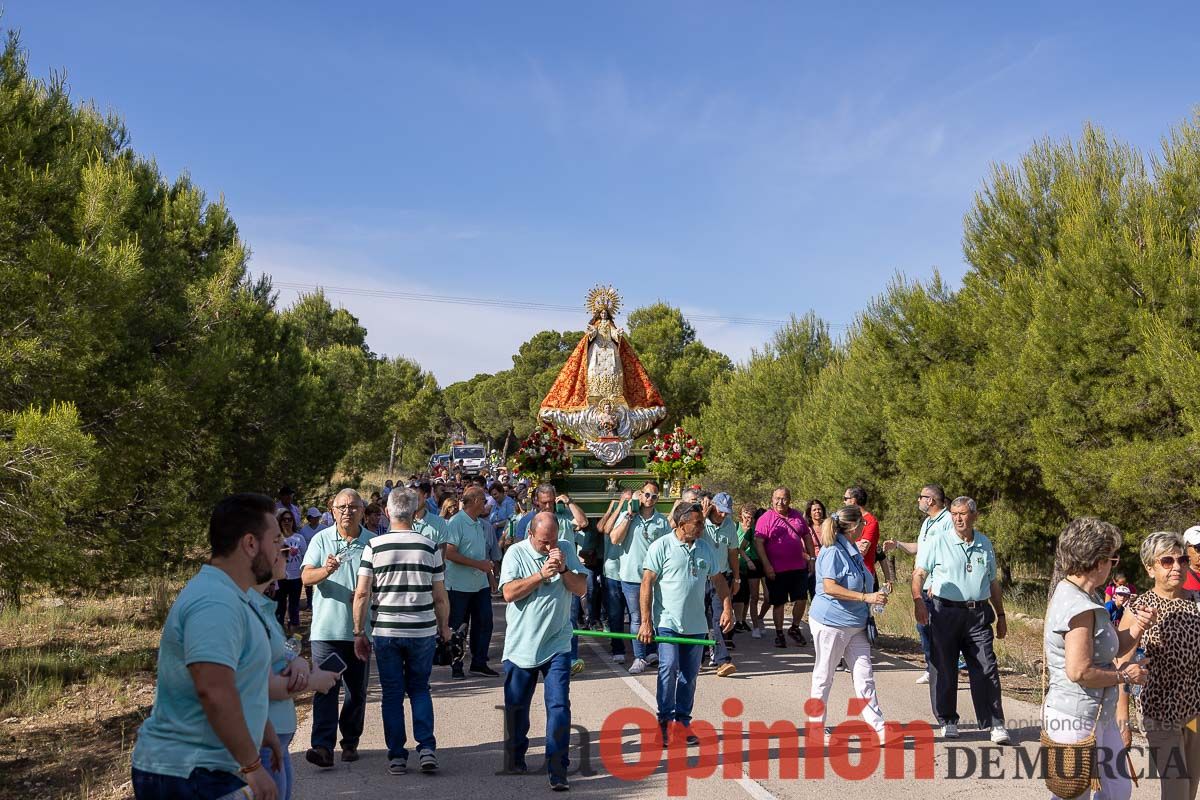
(961, 603)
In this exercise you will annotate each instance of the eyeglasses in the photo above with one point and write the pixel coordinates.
(649, 496)
(345, 508)
(924, 497)
(1167, 562)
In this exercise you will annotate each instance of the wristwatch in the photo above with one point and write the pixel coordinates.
(360, 633)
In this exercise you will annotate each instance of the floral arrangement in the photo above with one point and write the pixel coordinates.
(677, 454)
(543, 451)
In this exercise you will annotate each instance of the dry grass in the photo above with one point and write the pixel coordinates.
(76, 680)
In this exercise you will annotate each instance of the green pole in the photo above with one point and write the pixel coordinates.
(667, 639)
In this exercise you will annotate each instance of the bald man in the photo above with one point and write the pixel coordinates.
(539, 576)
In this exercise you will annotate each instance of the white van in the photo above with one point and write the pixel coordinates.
(472, 457)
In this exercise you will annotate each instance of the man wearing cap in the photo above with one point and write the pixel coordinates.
(675, 571)
(1191, 537)
(720, 532)
(1116, 605)
(538, 577)
(310, 529)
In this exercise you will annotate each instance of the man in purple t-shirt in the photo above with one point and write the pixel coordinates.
(785, 545)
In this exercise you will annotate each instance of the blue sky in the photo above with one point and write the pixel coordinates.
(732, 159)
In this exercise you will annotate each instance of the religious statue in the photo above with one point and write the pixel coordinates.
(603, 396)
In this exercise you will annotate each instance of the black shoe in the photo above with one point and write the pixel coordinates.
(780, 641)
(558, 783)
(520, 768)
(484, 669)
(797, 635)
(456, 671)
(693, 741)
(320, 756)
(349, 754)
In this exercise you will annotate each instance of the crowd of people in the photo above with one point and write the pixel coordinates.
(407, 579)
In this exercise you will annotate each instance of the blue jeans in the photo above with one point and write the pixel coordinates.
(283, 778)
(614, 601)
(202, 784)
(325, 717)
(713, 603)
(519, 684)
(476, 606)
(678, 666)
(633, 592)
(404, 665)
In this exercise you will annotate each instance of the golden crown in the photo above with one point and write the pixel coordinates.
(603, 299)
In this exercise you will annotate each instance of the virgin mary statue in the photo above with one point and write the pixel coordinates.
(603, 396)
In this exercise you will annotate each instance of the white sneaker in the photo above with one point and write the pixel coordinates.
(619, 658)
(950, 731)
(999, 735)
(756, 633)
(652, 659)
(923, 678)
(637, 667)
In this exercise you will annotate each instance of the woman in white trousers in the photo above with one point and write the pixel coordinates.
(838, 615)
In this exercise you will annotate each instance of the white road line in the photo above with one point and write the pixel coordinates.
(750, 787)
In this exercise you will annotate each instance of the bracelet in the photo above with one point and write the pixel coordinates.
(253, 766)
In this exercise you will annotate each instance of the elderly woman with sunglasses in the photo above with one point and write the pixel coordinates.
(1170, 703)
(1081, 646)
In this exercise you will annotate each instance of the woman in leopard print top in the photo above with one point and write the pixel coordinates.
(1169, 703)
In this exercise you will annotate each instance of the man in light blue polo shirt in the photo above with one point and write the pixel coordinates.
(215, 645)
(546, 498)
(960, 568)
(932, 502)
(720, 532)
(675, 571)
(538, 577)
(470, 545)
(634, 531)
(331, 567)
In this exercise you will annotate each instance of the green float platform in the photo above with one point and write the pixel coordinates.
(592, 484)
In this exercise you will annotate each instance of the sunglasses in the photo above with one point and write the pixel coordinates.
(1167, 562)
(649, 496)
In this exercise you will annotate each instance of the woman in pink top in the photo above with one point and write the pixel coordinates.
(785, 545)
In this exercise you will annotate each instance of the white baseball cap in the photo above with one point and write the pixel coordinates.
(313, 511)
(1192, 536)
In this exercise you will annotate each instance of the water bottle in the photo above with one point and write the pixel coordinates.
(1136, 689)
(885, 591)
(293, 646)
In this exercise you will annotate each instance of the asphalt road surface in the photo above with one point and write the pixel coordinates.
(771, 685)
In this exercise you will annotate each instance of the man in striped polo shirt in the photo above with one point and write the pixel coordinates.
(401, 578)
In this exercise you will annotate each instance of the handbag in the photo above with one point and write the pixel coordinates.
(1070, 768)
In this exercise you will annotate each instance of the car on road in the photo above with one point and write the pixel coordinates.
(472, 457)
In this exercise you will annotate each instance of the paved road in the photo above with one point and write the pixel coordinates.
(771, 684)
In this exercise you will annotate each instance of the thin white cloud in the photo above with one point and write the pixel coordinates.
(454, 342)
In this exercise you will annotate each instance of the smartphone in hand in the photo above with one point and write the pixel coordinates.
(333, 663)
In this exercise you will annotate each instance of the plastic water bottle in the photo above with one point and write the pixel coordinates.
(885, 591)
(1134, 688)
(293, 646)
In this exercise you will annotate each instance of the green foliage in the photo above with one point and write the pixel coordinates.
(681, 366)
(744, 424)
(46, 473)
(1062, 379)
(143, 375)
